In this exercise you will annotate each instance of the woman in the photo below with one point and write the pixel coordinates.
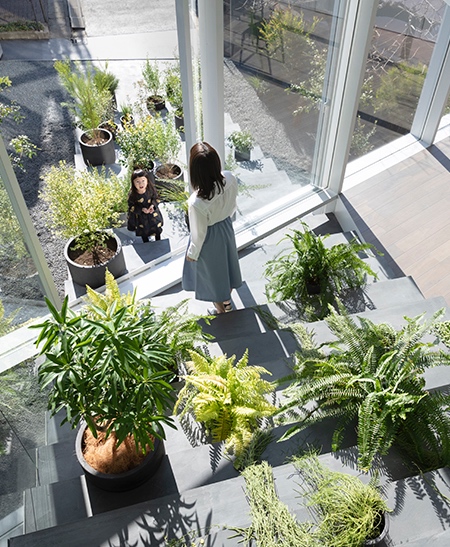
(211, 268)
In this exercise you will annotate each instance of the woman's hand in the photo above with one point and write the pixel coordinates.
(190, 259)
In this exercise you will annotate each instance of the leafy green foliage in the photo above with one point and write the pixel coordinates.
(241, 140)
(82, 204)
(310, 264)
(152, 77)
(147, 140)
(442, 330)
(346, 511)
(374, 376)
(228, 398)
(110, 364)
(174, 93)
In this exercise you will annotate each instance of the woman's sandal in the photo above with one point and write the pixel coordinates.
(228, 306)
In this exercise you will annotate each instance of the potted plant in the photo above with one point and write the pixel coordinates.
(346, 511)
(371, 378)
(110, 365)
(91, 106)
(243, 143)
(152, 81)
(315, 275)
(127, 115)
(174, 95)
(83, 206)
(227, 398)
(106, 80)
(168, 171)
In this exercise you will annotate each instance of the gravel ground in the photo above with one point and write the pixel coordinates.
(36, 88)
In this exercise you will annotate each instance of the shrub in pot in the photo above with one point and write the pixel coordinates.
(372, 375)
(243, 143)
(174, 94)
(110, 365)
(92, 104)
(227, 398)
(83, 206)
(312, 274)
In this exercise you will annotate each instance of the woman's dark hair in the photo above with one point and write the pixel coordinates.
(205, 170)
(137, 173)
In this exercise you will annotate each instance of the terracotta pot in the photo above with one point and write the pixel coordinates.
(94, 276)
(120, 482)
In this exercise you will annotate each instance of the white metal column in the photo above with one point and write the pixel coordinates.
(436, 88)
(334, 144)
(185, 53)
(211, 63)
(28, 232)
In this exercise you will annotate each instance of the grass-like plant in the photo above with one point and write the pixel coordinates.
(346, 511)
(83, 204)
(228, 398)
(373, 377)
(312, 274)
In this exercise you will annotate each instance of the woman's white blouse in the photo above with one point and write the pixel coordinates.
(204, 213)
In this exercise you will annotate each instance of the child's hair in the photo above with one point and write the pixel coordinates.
(150, 181)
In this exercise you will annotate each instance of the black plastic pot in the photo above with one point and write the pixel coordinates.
(155, 103)
(120, 482)
(94, 276)
(98, 154)
(242, 155)
(179, 123)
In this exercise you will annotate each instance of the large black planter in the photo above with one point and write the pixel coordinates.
(98, 154)
(94, 276)
(380, 539)
(120, 482)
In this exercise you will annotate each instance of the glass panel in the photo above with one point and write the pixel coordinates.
(22, 429)
(21, 296)
(278, 55)
(402, 44)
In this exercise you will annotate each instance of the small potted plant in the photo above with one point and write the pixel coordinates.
(313, 274)
(126, 117)
(227, 398)
(243, 143)
(174, 95)
(347, 512)
(83, 206)
(109, 366)
(152, 81)
(91, 106)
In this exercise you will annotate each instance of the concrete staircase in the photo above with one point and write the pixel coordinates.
(196, 489)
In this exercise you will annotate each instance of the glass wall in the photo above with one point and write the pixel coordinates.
(402, 44)
(278, 56)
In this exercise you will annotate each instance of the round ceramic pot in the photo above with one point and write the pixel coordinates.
(380, 539)
(120, 482)
(94, 276)
(98, 154)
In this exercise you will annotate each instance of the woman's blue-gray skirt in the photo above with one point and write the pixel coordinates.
(217, 270)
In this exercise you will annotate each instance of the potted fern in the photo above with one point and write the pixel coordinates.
(372, 374)
(109, 366)
(83, 207)
(229, 399)
(311, 274)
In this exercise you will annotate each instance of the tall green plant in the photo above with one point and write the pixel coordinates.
(374, 376)
(92, 100)
(331, 271)
(228, 398)
(152, 77)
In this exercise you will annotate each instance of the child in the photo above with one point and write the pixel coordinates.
(144, 216)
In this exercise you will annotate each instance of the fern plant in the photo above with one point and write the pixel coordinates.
(228, 399)
(374, 375)
(313, 275)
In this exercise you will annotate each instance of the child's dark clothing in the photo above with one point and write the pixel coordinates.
(144, 224)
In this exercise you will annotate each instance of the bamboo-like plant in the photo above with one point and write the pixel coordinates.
(110, 364)
(228, 398)
(374, 376)
(313, 274)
